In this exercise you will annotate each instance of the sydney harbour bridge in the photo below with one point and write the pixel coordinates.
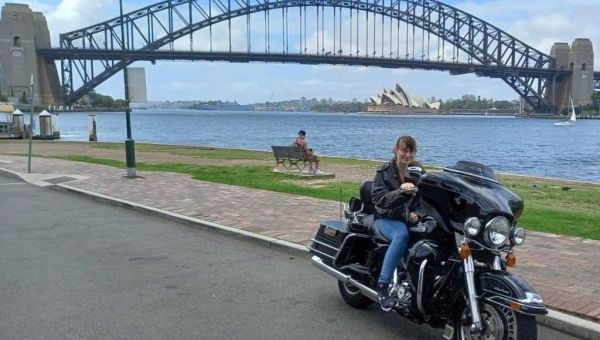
(413, 34)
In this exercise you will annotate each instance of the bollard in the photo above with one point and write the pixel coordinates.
(130, 157)
(26, 131)
(93, 137)
(55, 127)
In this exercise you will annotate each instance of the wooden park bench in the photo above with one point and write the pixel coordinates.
(291, 156)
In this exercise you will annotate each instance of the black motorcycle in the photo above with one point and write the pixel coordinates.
(454, 275)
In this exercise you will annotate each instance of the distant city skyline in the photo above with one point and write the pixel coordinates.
(536, 22)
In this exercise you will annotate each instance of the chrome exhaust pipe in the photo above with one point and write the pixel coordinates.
(368, 292)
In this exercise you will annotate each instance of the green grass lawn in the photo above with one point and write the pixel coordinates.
(200, 152)
(560, 207)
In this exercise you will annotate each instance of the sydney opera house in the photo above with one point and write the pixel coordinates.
(400, 101)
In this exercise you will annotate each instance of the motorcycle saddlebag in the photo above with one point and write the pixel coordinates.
(328, 240)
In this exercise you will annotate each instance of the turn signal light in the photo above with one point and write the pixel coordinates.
(515, 306)
(464, 251)
(511, 260)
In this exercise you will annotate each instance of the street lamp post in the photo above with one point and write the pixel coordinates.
(30, 126)
(129, 143)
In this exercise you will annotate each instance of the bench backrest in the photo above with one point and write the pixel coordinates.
(287, 152)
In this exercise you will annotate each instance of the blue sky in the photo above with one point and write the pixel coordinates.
(536, 22)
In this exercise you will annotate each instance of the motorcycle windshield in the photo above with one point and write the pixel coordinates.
(459, 193)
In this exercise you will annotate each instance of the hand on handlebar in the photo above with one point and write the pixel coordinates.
(413, 217)
(408, 188)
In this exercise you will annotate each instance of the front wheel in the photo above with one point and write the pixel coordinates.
(498, 322)
(353, 296)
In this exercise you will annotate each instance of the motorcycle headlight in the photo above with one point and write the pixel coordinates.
(518, 236)
(472, 226)
(497, 231)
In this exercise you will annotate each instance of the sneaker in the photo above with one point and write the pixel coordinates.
(386, 301)
(318, 172)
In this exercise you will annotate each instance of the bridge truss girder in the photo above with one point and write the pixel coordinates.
(597, 81)
(484, 44)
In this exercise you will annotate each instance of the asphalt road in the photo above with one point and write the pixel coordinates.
(74, 268)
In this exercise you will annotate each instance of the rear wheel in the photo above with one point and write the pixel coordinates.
(353, 296)
(498, 322)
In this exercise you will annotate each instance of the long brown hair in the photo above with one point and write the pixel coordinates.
(404, 142)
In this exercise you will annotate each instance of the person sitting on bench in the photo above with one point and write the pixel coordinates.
(301, 142)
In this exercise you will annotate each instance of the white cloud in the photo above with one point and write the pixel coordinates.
(242, 86)
(540, 23)
(310, 82)
(37, 6)
(70, 15)
(181, 85)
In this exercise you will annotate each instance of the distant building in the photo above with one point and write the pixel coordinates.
(468, 98)
(399, 100)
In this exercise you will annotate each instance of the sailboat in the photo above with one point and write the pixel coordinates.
(520, 113)
(571, 120)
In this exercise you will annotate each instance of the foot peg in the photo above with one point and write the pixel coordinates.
(448, 332)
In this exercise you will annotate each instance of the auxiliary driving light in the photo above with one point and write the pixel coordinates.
(518, 236)
(472, 226)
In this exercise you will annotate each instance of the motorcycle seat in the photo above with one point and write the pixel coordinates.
(369, 222)
(366, 197)
(368, 219)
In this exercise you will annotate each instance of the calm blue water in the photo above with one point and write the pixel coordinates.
(507, 144)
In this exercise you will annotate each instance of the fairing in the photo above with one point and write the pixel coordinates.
(457, 195)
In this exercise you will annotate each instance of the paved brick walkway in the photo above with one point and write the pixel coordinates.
(562, 269)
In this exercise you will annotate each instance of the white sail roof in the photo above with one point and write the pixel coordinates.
(399, 96)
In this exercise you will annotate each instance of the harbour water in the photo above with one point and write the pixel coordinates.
(507, 144)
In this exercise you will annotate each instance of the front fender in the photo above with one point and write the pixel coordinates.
(511, 291)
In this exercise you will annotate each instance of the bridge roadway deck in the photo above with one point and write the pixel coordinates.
(564, 270)
(311, 59)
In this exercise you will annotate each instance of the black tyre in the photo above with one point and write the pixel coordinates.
(353, 296)
(499, 323)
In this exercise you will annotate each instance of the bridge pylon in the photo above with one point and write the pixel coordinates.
(22, 32)
(579, 60)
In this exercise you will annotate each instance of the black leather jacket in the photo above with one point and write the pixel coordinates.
(389, 201)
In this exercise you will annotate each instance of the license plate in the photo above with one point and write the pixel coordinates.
(329, 231)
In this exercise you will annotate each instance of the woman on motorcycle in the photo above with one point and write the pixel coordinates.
(391, 194)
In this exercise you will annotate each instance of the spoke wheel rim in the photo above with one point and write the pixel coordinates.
(498, 323)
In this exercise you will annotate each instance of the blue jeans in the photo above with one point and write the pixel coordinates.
(397, 233)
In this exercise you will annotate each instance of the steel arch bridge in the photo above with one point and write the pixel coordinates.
(416, 34)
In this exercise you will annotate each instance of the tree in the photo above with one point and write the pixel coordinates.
(595, 102)
(119, 104)
(596, 98)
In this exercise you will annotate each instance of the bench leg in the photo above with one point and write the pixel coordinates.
(295, 163)
(278, 163)
(311, 170)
